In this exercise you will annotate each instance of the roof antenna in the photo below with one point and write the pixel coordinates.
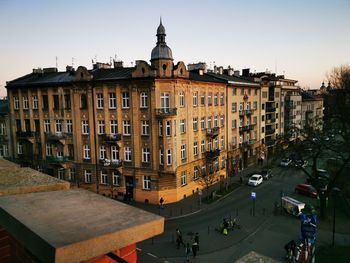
(56, 63)
(72, 62)
(160, 20)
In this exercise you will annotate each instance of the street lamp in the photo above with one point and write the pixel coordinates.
(335, 191)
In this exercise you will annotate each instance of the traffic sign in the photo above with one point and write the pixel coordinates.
(253, 195)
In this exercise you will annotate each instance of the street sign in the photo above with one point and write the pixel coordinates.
(253, 195)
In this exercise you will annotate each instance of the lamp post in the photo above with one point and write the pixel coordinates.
(335, 191)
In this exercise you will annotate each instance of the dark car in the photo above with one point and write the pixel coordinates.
(300, 163)
(266, 174)
(306, 189)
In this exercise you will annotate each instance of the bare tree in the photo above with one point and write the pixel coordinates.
(207, 178)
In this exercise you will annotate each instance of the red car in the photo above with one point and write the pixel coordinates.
(306, 189)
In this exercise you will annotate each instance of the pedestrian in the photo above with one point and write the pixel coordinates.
(179, 239)
(188, 252)
(241, 179)
(161, 201)
(196, 239)
(194, 249)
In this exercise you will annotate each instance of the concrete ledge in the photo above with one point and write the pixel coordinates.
(74, 225)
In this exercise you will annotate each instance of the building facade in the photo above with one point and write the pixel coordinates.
(5, 145)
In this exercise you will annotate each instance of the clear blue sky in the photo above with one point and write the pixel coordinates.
(301, 38)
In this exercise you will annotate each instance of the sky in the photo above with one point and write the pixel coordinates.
(301, 39)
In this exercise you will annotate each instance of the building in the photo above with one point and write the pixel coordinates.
(5, 145)
(312, 110)
(141, 132)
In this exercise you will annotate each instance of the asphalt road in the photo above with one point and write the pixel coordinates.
(265, 233)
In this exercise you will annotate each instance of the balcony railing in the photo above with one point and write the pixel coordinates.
(112, 138)
(25, 134)
(246, 127)
(56, 159)
(111, 163)
(212, 154)
(166, 112)
(212, 132)
(249, 112)
(55, 136)
(270, 109)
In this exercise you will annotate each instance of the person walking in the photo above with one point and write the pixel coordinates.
(196, 239)
(179, 239)
(188, 252)
(161, 201)
(194, 249)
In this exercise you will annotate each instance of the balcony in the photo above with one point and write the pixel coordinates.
(56, 159)
(241, 113)
(55, 136)
(249, 112)
(27, 135)
(246, 128)
(111, 163)
(166, 112)
(213, 154)
(112, 138)
(270, 142)
(272, 120)
(270, 131)
(212, 132)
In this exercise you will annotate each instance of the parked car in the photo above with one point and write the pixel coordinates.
(306, 189)
(300, 163)
(285, 162)
(255, 180)
(266, 174)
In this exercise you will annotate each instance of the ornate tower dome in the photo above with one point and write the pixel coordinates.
(161, 50)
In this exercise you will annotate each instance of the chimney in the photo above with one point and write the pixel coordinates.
(245, 72)
(118, 63)
(69, 68)
(38, 70)
(215, 69)
(230, 71)
(236, 73)
(221, 70)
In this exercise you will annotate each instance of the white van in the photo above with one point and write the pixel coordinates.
(292, 206)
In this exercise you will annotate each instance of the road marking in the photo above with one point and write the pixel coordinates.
(152, 255)
(139, 249)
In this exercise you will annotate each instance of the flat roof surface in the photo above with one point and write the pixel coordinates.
(17, 180)
(75, 224)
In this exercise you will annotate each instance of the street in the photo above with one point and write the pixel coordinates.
(265, 233)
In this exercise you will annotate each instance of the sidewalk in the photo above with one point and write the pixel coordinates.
(191, 205)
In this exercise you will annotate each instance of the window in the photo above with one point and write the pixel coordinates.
(35, 102)
(255, 105)
(241, 138)
(69, 126)
(56, 102)
(86, 151)
(195, 124)
(47, 126)
(144, 127)
(216, 141)
(203, 99)
(147, 182)
(114, 153)
(112, 100)
(202, 146)
(125, 100)
(204, 170)
(222, 142)
(234, 92)
(25, 103)
(59, 126)
(16, 103)
(264, 94)
(48, 149)
(168, 157)
(87, 176)
(67, 102)
(203, 123)
(116, 179)
(45, 102)
(242, 91)
(126, 128)
(85, 127)
(248, 105)
(255, 120)
(99, 101)
(215, 121)
(160, 127)
(233, 142)
(2, 128)
(234, 124)
(263, 106)
(168, 128)
(164, 100)
(240, 122)
(127, 154)
(102, 150)
(83, 102)
(113, 126)
(60, 174)
(183, 126)
(101, 126)
(143, 100)
(183, 178)
(161, 157)
(241, 107)
(262, 129)
(222, 120)
(210, 99)
(195, 173)
(183, 151)
(146, 155)
(19, 148)
(195, 99)
(104, 177)
(263, 118)
(216, 99)
(209, 122)
(223, 162)
(71, 174)
(195, 148)
(182, 99)
(234, 107)
(222, 99)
